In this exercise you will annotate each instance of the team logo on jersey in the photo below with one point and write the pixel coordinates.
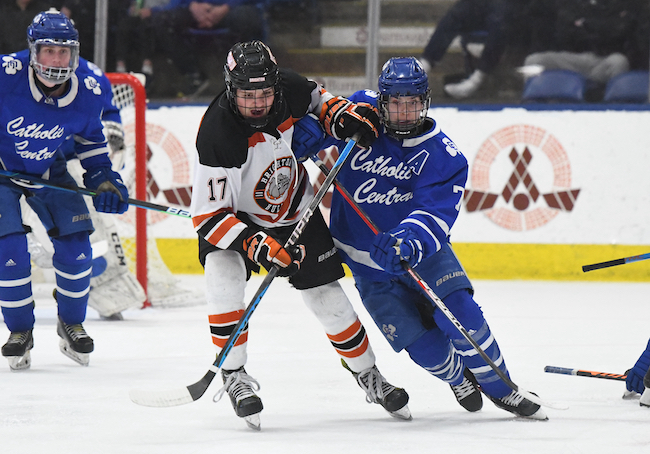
(273, 187)
(389, 331)
(91, 84)
(521, 178)
(11, 65)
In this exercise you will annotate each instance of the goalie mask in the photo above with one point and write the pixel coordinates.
(52, 28)
(405, 78)
(252, 66)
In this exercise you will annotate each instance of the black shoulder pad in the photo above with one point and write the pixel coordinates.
(222, 140)
(296, 90)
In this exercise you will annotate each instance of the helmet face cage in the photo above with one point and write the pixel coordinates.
(251, 66)
(402, 77)
(53, 28)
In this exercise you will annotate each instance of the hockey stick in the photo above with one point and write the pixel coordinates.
(85, 191)
(584, 373)
(437, 301)
(193, 392)
(623, 261)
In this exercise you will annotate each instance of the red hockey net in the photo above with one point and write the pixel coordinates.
(130, 97)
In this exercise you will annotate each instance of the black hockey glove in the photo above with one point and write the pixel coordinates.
(265, 250)
(111, 195)
(343, 119)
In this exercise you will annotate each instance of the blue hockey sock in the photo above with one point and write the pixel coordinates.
(16, 283)
(433, 352)
(73, 267)
(469, 314)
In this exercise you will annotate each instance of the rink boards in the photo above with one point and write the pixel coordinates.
(549, 189)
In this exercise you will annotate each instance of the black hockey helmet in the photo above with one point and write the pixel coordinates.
(251, 66)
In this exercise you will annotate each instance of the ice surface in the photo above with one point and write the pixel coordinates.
(312, 405)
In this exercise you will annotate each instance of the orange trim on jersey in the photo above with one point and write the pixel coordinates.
(221, 342)
(347, 334)
(200, 218)
(228, 317)
(286, 124)
(256, 138)
(360, 350)
(224, 227)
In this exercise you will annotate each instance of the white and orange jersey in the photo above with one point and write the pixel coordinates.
(240, 169)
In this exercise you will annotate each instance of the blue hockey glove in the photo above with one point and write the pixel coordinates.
(308, 135)
(389, 248)
(111, 195)
(634, 380)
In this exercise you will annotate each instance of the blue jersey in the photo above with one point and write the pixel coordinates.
(110, 113)
(34, 125)
(417, 183)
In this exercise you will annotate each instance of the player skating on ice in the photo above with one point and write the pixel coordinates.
(248, 194)
(638, 378)
(410, 182)
(113, 288)
(47, 97)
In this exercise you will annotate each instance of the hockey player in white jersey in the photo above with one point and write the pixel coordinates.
(46, 97)
(410, 182)
(248, 194)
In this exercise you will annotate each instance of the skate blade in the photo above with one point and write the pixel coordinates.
(539, 415)
(20, 362)
(403, 413)
(80, 358)
(253, 421)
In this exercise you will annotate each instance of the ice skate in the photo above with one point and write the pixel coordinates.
(75, 343)
(468, 393)
(520, 406)
(645, 397)
(379, 391)
(17, 348)
(241, 388)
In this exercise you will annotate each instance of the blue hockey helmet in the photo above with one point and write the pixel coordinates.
(252, 66)
(403, 76)
(52, 28)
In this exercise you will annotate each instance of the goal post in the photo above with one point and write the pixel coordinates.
(136, 96)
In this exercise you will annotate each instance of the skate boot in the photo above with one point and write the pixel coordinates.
(520, 406)
(17, 348)
(645, 397)
(379, 391)
(468, 393)
(75, 343)
(241, 388)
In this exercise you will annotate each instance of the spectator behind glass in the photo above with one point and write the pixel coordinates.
(596, 38)
(173, 22)
(135, 42)
(82, 13)
(499, 19)
(15, 17)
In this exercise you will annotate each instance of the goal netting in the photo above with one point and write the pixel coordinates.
(163, 289)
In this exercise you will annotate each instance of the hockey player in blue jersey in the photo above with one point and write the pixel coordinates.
(638, 378)
(410, 182)
(46, 97)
